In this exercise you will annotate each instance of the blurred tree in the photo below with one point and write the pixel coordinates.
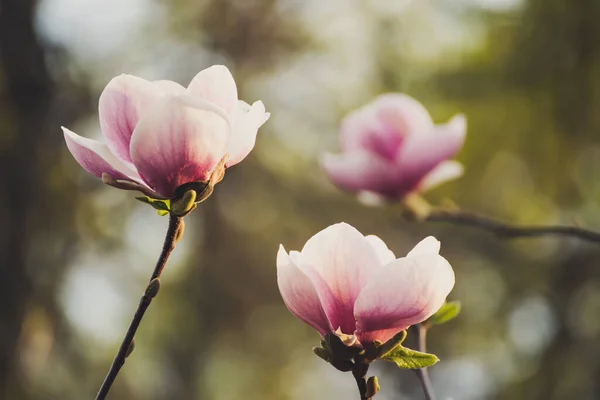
(35, 207)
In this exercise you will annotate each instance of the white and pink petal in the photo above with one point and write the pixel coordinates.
(345, 261)
(216, 85)
(363, 171)
(245, 127)
(404, 114)
(385, 255)
(179, 140)
(444, 172)
(429, 245)
(403, 293)
(121, 104)
(299, 294)
(96, 158)
(421, 154)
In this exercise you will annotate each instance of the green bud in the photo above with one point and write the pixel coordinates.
(153, 288)
(185, 204)
(322, 353)
(130, 348)
(372, 387)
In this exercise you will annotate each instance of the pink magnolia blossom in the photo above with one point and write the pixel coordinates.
(391, 148)
(344, 280)
(160, 135)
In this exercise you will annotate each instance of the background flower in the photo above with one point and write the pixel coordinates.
(391, 147)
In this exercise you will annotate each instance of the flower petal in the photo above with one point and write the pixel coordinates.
(216, 85)
(385, 255)
(362, 171)
(299, 294)
(429, 245)
(363, 130)
(96, 158)
(179, 140)
(169, 87)
(247, 121)
(446, 171)
(404, 292)
(120, 107)
(420, 154)
(346, 261)
(403, 113)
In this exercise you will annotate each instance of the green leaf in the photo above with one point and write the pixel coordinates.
(164, 206)
(144, 199)
(446, 313)
(406, 358)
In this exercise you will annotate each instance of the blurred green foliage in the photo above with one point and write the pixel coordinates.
(75, 254)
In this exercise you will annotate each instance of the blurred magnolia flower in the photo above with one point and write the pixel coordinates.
(160, 135)
(353, 284)
(392, 148)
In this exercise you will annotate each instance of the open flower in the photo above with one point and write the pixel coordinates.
(160, 135)
(391, 148)
(344, 280)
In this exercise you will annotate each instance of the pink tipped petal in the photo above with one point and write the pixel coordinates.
(247, 121)
(96, 158)
(362, 171)
(329, 301)
(429, 245)
(169, 87)
(216, 85)
(420, 154)
(346, 261)
(179, 140)
(444, 172)
(403, 113)
(121, 105)
(362, 130)
(405, 292)
(385, 255)
(299, 294)
(356, 127)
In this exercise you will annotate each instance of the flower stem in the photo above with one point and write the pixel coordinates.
(360, 374)
(173, 235)
(422, 372)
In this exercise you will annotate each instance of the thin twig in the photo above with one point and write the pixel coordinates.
(173, 234)
(360, 374)
(422, 373)
(505, 230)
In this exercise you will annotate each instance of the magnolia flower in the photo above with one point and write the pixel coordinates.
(345, 283)
(160, 135)
(392, 148)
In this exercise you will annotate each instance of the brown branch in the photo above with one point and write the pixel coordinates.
(422, 372)
(509, 231)
(173, 235)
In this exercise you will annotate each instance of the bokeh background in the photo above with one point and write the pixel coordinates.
(75, 254)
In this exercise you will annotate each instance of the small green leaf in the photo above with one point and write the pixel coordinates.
(406, 358)
(388, 346)
(446, 313)
(162, 206)
(144, 199)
